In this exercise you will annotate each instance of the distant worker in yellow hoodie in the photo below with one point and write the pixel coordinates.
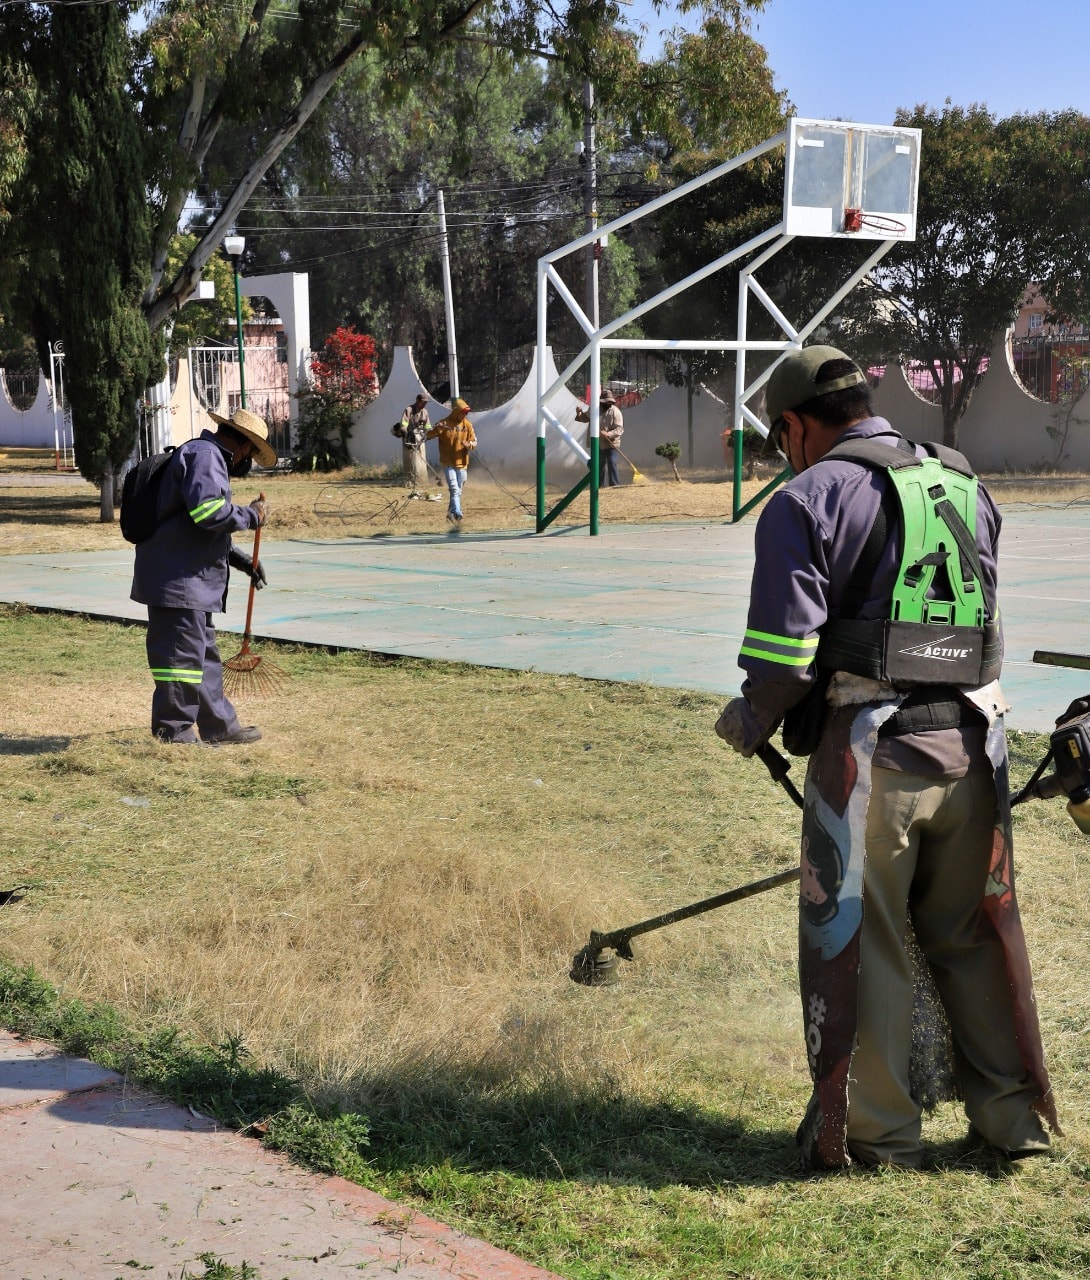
(456, 438)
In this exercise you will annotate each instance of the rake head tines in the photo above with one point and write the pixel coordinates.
(249, 675)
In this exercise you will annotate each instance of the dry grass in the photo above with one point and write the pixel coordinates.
(44, 512)
(398, 890)
(402, 870)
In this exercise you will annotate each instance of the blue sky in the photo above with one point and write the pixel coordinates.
(862, 59)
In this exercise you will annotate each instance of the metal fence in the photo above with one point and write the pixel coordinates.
(217, 387)
(1054, 368)
(22, 388)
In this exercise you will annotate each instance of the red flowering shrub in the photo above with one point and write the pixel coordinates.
(343, 378)
(344, 370)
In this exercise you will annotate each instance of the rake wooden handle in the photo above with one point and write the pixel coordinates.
(253, 584)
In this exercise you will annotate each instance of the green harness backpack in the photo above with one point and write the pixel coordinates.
(940, 630)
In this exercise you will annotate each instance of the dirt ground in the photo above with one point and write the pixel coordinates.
(44, 511)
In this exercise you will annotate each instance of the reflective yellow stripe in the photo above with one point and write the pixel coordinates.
(811, 642)
(786, 650)
(782, 658)
(184, 675)
(207, 509)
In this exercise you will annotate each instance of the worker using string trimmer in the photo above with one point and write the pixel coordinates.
(181, 575)
(873, 637)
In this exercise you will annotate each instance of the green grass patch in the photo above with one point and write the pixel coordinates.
(352, 940)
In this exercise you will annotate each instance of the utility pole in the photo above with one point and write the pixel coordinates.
(452, 348)
(590, 201)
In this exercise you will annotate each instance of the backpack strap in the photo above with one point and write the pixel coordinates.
(873, 454)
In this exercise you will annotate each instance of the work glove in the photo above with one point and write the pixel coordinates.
(261, 506)
(731, 727)
(255, 572)
(1078, 708)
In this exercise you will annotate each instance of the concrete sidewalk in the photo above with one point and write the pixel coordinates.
(103, 1182)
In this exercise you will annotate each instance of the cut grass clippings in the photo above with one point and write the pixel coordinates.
(353, 937)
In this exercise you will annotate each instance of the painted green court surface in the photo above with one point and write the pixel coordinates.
(657, 604)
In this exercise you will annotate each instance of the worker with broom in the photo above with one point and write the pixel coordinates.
(610, 430)
(181, 575)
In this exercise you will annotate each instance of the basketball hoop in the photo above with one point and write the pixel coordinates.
(856, 220)
(855, 181)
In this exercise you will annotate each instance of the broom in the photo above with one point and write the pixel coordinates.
(637, 475)
(248, 674)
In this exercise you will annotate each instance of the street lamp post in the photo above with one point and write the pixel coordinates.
(233, 247)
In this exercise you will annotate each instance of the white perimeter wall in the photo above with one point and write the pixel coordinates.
(1005, 428)
(289, 292)
(31, 428)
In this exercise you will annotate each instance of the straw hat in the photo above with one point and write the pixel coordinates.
(253, 428)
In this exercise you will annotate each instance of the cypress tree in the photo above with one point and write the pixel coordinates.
(100, 227)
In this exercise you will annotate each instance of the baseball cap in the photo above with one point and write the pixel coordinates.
(794, 379)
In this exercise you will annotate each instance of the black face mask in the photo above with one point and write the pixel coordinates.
(240, 468)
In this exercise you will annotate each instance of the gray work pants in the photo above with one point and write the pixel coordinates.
(929, 847)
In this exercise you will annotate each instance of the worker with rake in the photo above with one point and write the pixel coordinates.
(181, 575)
(412, 430)
(873, 636)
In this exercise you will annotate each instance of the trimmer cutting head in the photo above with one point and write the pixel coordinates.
(596, 965)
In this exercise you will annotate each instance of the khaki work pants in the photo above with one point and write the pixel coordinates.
(929, 845)
(415, 466)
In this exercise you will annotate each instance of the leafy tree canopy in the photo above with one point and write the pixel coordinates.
(1003, 204)
(205, 97)
(269, 67)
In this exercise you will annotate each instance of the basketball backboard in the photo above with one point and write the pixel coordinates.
(851, 180)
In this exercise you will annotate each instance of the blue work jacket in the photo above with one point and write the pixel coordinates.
(808, 539)
(183, 565)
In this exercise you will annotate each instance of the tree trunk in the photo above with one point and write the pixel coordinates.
(106, 499)
(950, 422)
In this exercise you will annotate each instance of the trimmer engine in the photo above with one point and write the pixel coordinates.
(1069, 750)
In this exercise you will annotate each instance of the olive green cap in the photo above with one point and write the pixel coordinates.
(793, 380)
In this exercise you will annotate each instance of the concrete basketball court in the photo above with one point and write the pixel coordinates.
(658, 604)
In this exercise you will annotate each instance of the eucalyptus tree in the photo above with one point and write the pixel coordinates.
(354, 204)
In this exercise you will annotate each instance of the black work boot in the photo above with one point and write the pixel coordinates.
(247, 733)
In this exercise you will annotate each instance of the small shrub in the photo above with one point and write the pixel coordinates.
(332, 1145)
(671, 451)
